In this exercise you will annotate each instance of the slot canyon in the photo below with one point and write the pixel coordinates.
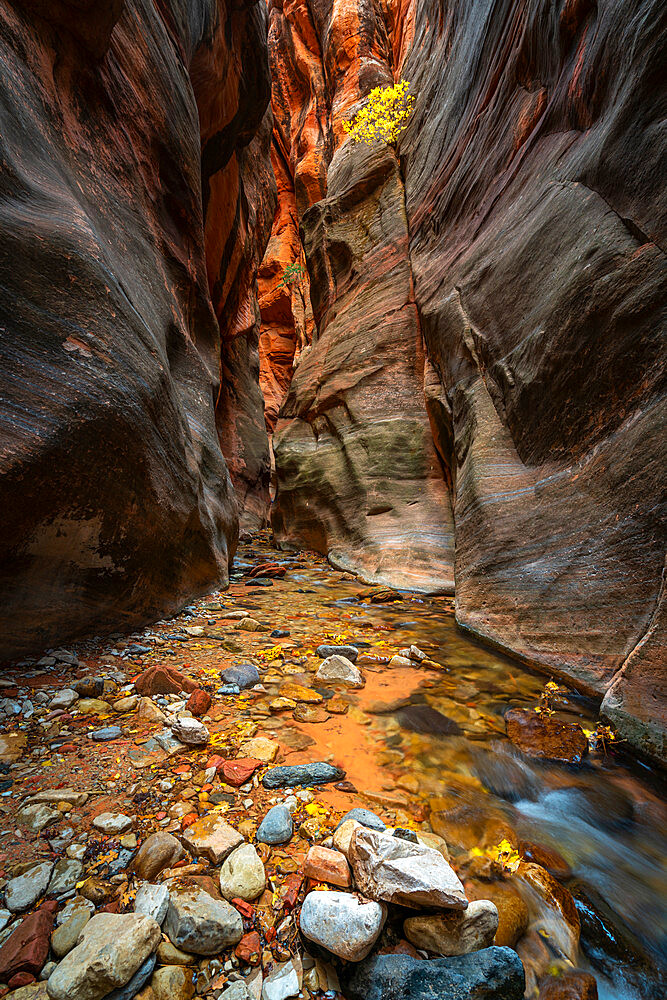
(332, 472)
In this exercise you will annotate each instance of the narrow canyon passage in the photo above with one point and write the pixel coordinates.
(333, 561)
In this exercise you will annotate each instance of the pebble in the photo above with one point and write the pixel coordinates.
(455, 933)
(342, 923)
(63, 699)
(22, 892)
(212, 837)
(65, 876)
(127, 704)
(318, 773)
(198, 923)
(190, 731)
(260, 748)
(276, 827)
(339, 669)
(397, 871)
(93, 706)
(152, 900)
(349, 652)
(112, 948)
(76, 905)
(325, 865)
(112, 823)
(66, 935)
(169, 954)
(244, 675)
(173, 982)
(106, 734)
(242, 874)
(38, 816)
(159, 851)
(282, 983)
(148, 711)
(364, 816)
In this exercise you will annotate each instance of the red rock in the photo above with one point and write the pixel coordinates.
(199, 702)
(325, 865)
(247, 910)
(292, 886)
(547, 857)
(215, 761)
(237, 772)
(20, 979)
(544, 736)
(160, 815)
(27, 949)
(163, 680)
(268, 570)
(188, 820)
(249, 948)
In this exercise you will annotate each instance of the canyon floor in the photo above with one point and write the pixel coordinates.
(137, 772)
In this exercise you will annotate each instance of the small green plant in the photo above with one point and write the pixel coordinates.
(293, 272)
(384, 116)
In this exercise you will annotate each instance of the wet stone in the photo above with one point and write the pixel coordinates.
(159, 851)
(242, 874)
(276, 827)
(65, 876)
(318, 773)
(65, 937)
(349, 652)
(153, 901)
(112, 823)
(106, 734)
(36, 817)
(190, 731)
(427, 721)
(546, 737)
(245, 675)
(455, 933)
(136, 983)
(364, 816)
(341, 922)
(212, 837)
(23, 891)
(198, 923)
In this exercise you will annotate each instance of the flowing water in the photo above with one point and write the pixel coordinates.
(606, 820)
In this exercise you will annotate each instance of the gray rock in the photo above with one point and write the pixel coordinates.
(342, 923)
(38, 816)
(199, 924)
(112, 948)
(455, 933)
(113, 823)
(242, 874)
(46, 971)
(245, 675)
(398, 871)
(236, 991)
(65, 937)
(339, 670)
(65, 876)
(107, 733)
(282, 983)
(153, 900)
(318, 773)
(364, 816)
(491, 974)
(276, 827)
(190, 731)
(23, 891)
(349, 652)
(168, 742)
(63, 699)
(75, 905)
(136, 983)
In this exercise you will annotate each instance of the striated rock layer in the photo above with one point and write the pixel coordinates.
(522, 241)
(126, 236)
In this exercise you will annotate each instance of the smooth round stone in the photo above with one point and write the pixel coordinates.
(242, 874)
(276, 827)
(364, 816)
(245, 675)
(349, 652)
(112, 823)
(23, 891)
(107, 733)
(173, 982)
(317, 773)
(455, 933)
(65, 937)
(342, 923)
(159, 851)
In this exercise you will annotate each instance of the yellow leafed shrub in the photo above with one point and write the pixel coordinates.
(384, 116)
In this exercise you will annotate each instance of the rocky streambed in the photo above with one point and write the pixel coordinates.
(302, 787)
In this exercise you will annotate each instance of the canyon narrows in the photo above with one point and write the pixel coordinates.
(333, 568)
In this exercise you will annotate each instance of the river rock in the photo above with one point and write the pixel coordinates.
(200, 924)
(159, 851)
(343, 923)
(163, 680)
(568, 984)
(212, 837)
(23, 891)
(106, 734)
(27, 947)
(199, 702)
(455, 933)
(152, 900)
(38, 816)
(148, 711)
(93, 706)
(338, 669)
(551, 908)
(65, 937)
(89, 687)
(169, 954)
(398, 871)
(325, 865)
(260, 748)
(277, 826)
(112, 823)
(242, 874)
(75, 905)
(52, 796)
(64, 699)
(428, 721)
(135, 985)
(349, 652)
(342, 836)
(127, 704)
(318, 773)
(65, 875)
(364, 816)
(244, 675)
(491, 974)
(283, 982)
(111, 949)
(237, 772)
(512, 910)
(173, 982)
(545, 736)
(190, 731)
